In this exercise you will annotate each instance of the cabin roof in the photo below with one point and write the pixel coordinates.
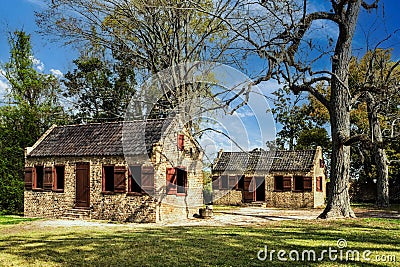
(100, 139)
(265, 161)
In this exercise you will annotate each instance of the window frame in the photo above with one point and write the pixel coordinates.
(131, 180)
(224, 184)
(276, 189)
(172, 186)
(56, 186)
(181, 171)
(35, 178)
(104, 179)
(319, 184)
(298, 180)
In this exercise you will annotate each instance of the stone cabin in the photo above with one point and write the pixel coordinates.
(137, 171)
(290, 179)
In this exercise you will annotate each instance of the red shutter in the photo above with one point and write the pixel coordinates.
(232, 182)
(319, 184)
(181, 142)
(148, 179)
(307, 183)
(287, 183)
(119, 179)
(48, 178)
(28, 178)
(171, 181)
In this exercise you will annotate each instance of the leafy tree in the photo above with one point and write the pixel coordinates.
(302, 61)
(101, 90)
(146, 36)
(32, 108)
(375, 79)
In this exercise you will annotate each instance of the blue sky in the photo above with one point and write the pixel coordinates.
(55, 58)
(19, 14)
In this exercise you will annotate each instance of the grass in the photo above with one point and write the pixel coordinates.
(13, 219)
(28, 244)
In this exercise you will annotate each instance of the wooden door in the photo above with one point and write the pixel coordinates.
(260, 188)
(248, 192)
(82, 185)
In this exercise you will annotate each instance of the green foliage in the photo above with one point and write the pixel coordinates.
(33, 108)
(101, 91)
(311, 138)
(302, 120)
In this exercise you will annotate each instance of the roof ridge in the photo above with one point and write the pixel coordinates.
(109, 122)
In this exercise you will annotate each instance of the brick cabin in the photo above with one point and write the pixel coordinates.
(138, 171)
(290, 179)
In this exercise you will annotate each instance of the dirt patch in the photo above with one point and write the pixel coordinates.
(244, 216)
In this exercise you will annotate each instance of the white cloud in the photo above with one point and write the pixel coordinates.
(4, 85)
(56, 73)
(37, 63)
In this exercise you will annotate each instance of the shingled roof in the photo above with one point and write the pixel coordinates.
(100, 139)
(264, 161)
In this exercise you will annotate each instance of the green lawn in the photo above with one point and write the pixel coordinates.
(28, 244)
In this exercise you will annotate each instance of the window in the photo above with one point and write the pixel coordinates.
(181, 142)
(224, 182)
(113, 179)
(241, 182)
(282, 183)
(135, 179)
(59, 175)
(319, 186)
(298, 183)
(321, 163)
(108, 178)
(278, 183)
(181, 180)
(38, 177)
(233, 183)
(176, 181)
(302, 183)
(141, 179)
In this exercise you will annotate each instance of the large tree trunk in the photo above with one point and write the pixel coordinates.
(382, 169)
(338, 204)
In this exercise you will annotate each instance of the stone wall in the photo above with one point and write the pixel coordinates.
(124, 206)
(227, 197)
(288, 199)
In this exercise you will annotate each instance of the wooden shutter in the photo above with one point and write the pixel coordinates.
(147, 179)
(28, 178)
(171, 181)
(119, 179)
(215, 183)
(181, 142)
(287, 183)
(232, 183)
(48, 178)
(307, 183)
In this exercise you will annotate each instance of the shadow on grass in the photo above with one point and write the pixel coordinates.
(198, 246)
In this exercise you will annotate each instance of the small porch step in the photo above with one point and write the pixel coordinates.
(77, 214)
(260, 204)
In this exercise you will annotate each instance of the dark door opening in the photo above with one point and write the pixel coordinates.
(82, 185)
(260, 189)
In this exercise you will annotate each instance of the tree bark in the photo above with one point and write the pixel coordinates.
(382, 168)
(338, 204)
